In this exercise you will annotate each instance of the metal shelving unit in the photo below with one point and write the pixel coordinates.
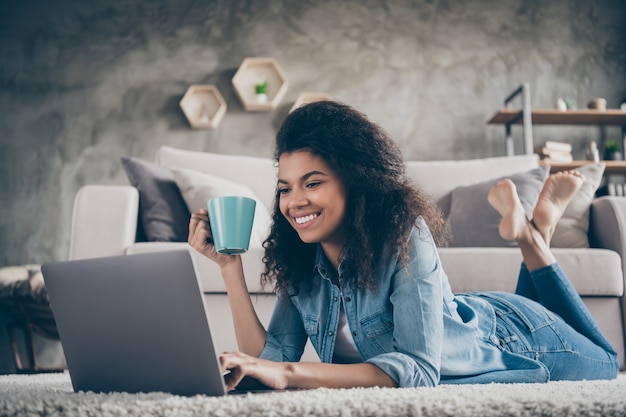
(526, 117)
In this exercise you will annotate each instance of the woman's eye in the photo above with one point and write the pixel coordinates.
(313, 184)
(283, 190)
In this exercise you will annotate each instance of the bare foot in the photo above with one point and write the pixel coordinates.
(555, 195)
(503, 197)
(516, 226)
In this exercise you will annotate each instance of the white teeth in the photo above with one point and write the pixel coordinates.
(302, 220)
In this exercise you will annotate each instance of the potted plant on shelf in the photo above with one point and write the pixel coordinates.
(570, 103)
(261, 92)
(612, 151)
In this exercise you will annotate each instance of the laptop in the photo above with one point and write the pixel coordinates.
(134, 323)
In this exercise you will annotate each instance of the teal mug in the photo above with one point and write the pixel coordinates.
(231, 219)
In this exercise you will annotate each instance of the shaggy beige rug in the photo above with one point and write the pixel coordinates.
(52, 395)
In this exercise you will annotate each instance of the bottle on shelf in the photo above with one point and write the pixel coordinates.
(592, 152)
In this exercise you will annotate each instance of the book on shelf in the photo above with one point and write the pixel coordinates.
(566, 159)
(549, 152)
(555, 152)
(553, 145)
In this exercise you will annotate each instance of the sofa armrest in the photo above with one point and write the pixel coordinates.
(607, 224)
(607, 229)
(104, 221)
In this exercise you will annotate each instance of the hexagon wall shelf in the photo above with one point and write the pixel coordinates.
(255, 71)
(203, 106)
(308, 97)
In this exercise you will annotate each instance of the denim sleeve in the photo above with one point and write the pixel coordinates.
(285, 336)
(417, 299)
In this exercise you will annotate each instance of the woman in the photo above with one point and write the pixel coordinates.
(352, 255)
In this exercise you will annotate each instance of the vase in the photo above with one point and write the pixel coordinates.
(613, 156)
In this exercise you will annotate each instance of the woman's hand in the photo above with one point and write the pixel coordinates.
(271, 374)
(200, 238)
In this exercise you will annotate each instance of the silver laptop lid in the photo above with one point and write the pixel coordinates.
(134, 323)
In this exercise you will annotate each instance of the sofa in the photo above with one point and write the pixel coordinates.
(148, 213)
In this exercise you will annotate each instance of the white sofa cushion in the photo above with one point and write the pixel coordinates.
(593, 272)
(258, 174)
(439, 178)
(208, 271)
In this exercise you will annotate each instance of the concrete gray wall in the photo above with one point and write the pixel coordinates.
(85, 82)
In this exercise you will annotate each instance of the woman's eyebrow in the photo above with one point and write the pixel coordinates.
(304, 177)
(310, 174)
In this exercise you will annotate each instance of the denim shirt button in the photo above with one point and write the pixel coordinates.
(335, 299)
(348, 299)
(330, 333)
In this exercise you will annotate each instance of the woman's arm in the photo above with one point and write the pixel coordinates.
(283, 375)
(249, 331)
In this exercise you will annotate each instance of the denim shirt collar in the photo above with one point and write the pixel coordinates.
(322, 265)
(325, 268)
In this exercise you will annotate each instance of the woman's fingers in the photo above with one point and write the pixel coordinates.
(238, 365)
(230, 363)
(201, 239)
(199, 230)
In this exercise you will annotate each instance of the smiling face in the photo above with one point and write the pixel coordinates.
(313, 200)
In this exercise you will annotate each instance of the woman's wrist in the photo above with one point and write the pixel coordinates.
(232, 271)
(231, 264)
(290, 371)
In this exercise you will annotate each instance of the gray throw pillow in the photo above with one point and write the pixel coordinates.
(474, 223)
(162, 210)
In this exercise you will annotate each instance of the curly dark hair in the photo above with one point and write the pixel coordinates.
(371, 167)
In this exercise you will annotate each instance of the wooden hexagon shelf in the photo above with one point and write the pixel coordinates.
(308, 97)
(203, 106)
(255, 71)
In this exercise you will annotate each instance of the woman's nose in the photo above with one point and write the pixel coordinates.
(297, 200)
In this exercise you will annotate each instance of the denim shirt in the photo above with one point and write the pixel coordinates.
(411, 326)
